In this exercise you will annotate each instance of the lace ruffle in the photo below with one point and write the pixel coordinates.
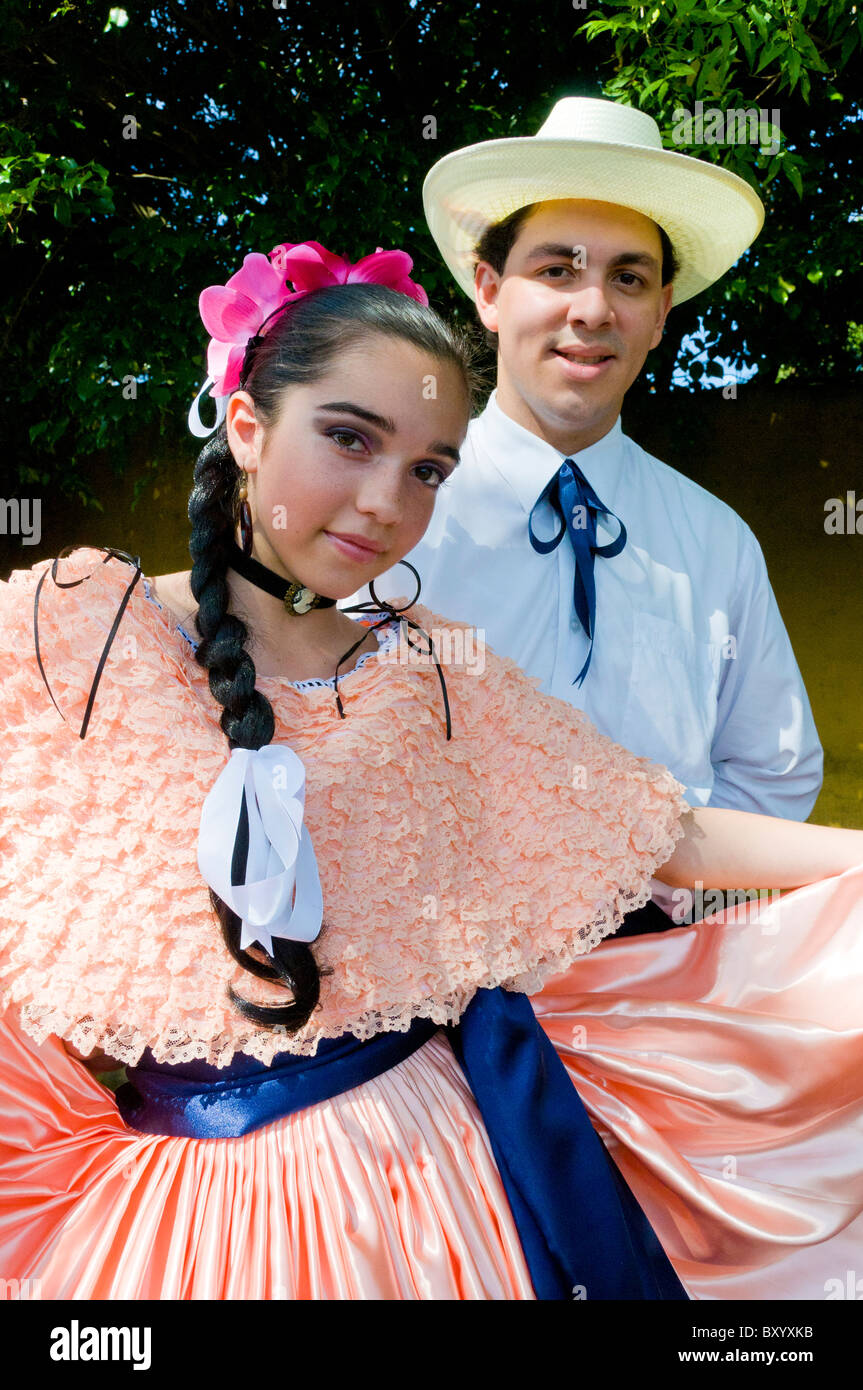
(386, 637)
(495, 858)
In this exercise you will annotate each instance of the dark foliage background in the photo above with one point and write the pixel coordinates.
(256, 122)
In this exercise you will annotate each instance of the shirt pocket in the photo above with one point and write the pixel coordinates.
(670, 712)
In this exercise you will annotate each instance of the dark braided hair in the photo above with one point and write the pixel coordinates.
(299, 347)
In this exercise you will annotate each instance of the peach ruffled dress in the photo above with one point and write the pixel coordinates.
(721, 1064)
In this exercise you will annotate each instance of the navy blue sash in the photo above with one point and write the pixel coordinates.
(204, 1102)
(581, 1230)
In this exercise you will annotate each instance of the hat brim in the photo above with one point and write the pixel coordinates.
(709, 214)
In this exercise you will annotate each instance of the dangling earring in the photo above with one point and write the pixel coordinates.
(245, 517)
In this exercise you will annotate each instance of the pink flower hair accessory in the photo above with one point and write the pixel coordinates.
(236, 314)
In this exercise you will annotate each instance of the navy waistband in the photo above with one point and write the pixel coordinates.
(206, 1102)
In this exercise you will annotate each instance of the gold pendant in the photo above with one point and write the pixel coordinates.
(299, 599)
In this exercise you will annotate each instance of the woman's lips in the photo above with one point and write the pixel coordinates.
(352, 549)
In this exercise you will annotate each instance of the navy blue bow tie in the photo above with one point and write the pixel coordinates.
(578, 506)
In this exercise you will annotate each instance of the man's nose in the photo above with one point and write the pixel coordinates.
(589, 305)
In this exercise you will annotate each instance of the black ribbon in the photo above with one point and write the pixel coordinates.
(377, 605)
(110, 554)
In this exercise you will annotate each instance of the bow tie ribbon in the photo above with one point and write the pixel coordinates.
(255, 851)
(578, 506)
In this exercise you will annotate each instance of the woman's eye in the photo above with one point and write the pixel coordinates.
(346, 438)
(437, 473)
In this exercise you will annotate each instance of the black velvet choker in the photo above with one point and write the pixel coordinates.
(296, 598)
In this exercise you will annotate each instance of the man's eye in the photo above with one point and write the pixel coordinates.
(629, 278)
(558, 272)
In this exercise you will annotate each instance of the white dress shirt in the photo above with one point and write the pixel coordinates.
(691, 666)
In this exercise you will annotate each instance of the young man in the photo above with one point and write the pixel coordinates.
(626, 588)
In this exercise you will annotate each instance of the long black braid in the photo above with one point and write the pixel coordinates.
(247, 717)
(299, 347)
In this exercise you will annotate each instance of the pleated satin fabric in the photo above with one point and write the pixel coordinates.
(722, 1064)
(389, 1191)
(577, 1222)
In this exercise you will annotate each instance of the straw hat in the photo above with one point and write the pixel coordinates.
(604, 151)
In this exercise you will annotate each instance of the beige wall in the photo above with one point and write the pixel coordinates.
(776, 455)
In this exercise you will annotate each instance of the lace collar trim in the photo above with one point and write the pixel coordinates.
(387, 638)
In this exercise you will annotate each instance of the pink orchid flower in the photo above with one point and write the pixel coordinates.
(234, 313)
(310, 266)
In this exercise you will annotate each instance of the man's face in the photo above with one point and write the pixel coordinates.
(576, 310)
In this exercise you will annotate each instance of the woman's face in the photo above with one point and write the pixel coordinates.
(354, 458)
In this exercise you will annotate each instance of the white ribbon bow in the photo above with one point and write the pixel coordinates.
(196, 424)
(280, 858)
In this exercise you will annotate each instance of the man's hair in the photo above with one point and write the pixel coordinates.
(498, 240)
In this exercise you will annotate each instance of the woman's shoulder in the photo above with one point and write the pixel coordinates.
(58, 592)
(174, 592)
(74, 630)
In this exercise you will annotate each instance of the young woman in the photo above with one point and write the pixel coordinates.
(314, 955)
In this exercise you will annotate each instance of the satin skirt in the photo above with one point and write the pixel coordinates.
(722, 1064)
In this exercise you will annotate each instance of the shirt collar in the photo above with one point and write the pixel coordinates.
(527, 463)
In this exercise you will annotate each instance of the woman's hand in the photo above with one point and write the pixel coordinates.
(734, 849)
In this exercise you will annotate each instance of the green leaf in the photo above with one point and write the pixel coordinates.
(810, 52)
(850, 43)
(793, 175)
(759, 20)
(771, 51)
(744, 35)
